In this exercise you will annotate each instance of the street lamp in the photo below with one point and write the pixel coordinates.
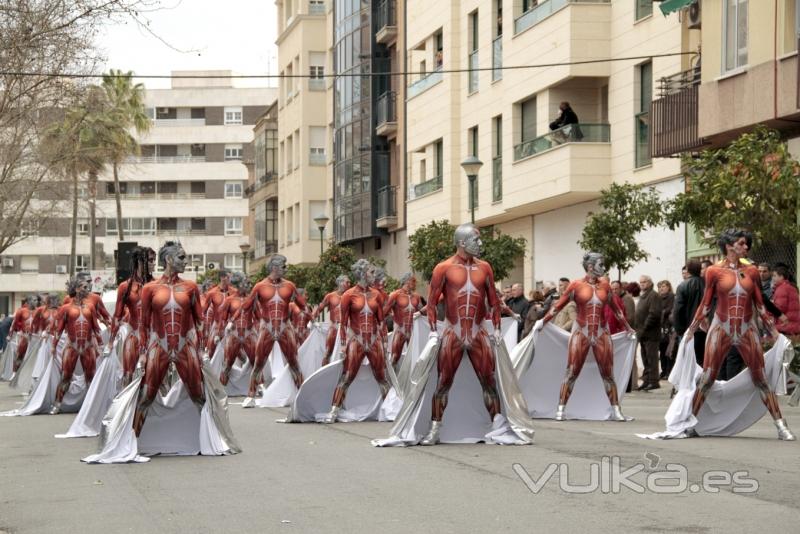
(471, 166)
(245, 248)
(321, 221)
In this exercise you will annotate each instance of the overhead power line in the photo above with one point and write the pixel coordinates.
(350, 74)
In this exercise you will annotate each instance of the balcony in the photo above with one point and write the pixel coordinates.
(387, 114)
(541, 11)
(260, 183)
(387, 207)
(179, 122)
(159, 196)
(385, 22)
(316, 84)
(497, 58)
(473, 72)
(424, 83)
(165, 159)
(316, 7)
(317, 158)
(425, 188)
(675, 115)
(571, 133)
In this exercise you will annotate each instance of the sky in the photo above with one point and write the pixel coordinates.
(237, 35)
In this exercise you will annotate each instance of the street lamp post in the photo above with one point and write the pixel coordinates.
(471, 166)
(321, 221)
(245, 248)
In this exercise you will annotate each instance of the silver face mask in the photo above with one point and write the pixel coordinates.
(278, 270)
(178, 260)
(599, 268)
(473, 244)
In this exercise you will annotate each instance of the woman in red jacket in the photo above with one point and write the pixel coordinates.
(787, 299)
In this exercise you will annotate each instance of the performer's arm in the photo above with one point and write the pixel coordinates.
(144, 325)
(119, 310)
(299, 299)
(321, 306)
(61, 324)
(435, 293)
(102, 312)
(389, 303)
(344, 312)
(17, 324)
(560, 303)
(197, 313)
(491, 295)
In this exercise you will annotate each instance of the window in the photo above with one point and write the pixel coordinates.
(233, 152)
(438, 153)
(472, 140)
(233, 262)
(316, 140)
(199, 189)
(734, 34)
(83, 227)
(644, 8)
(81, 262)
(316, 71)
(497, 158)
(132, 226)
(233, 226)
(147, 188)
(528, 120)
(29, 228)
(123, 188)
(168, 188)
(233, 189)
(791, 26)
(29, 264)
(642, 119)
(198, 224)
(196, 262)
(473, 52)
(233, 115)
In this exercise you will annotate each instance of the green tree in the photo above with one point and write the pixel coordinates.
(625, 210)
(334, 262)
(433, 242)
(753, 183)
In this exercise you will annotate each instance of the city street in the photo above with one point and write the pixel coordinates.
(314, 478)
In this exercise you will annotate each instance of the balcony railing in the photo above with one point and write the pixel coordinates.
(497, 178)
(316, 84)
(423, 188)
(674, 118)
(317, 158)
(542, 10)
(166, 159)
(179, 122)
(387, 205)
(316, 7)
(385, 15)
(260, 183)
(571, 133)
(473, 71)
(181, 231)
(497, 58)
(159, 196)
(387, 111)
(424, 83)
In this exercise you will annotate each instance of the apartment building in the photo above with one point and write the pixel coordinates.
(262, 190)
(747, 76)
(187, 184)
(537, 183)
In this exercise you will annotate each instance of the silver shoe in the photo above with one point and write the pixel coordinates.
(331, 417)
(783, 430)
(617, 414)
(433, 436)
(55, 409)
(560, 412)
(249, 402)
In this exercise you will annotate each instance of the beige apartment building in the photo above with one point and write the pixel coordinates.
(262, 190)
(537, 183)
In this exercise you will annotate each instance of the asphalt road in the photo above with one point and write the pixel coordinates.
(315, 478)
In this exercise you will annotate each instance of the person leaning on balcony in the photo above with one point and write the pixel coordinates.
(566, 115)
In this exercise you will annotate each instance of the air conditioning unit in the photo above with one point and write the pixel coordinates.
(61, 269)
(693, 15)
(8, 262)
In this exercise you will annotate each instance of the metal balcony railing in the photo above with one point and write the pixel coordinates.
(423, 188)
(473, 71)
(497, 178)
(674, 115)
(158, 196)
(670, 85)
(497, 58)
(166, 159)
(387, 110)
(424, 83)
(571, 133)
(179, 122)
(387, 202)
(385, 15)
(542, 10)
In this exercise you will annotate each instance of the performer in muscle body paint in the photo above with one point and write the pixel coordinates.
(591, 294)
(402, 304)
(213, 299)
(44, 318)
(171, 319)
(22, 326)
(269, 302)
(129, 299)
(332, 302)
(362, 316)
(300, 318)
(240, 338)
(79, 319)
(737, 288)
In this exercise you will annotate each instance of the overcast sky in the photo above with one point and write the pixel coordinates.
(232, 34)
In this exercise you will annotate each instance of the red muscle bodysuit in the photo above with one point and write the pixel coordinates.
(590, 330)
(79, 319)
(170, 322)
(269, 303)
(738, 293)
(300, 319)
(23, 321)
(45, 320)
(331, 302)
(362, 315)
(214, 299)
(132, 306)
(102, 313)
(402, 304)
(240, 341)
(467, 284)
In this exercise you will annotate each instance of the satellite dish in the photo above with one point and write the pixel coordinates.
(210, 266)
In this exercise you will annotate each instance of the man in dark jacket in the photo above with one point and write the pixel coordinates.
(519, 305)
(648, 331)
(566, 116)
(687, 299)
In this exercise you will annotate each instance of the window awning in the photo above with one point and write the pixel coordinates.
(668, 6)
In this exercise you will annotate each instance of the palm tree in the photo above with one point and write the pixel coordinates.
(126, 110)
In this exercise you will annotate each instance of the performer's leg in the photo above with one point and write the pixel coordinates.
(232, 347)
(69, 359)
(330, 344)
(604, 356)
(450, 354)
(718, 343)
(398, 342)
(377, 362)
(577, 349)
(154, 372)
(263, 350)
(482, 359)
(89, 363)
(288, 344)
(354, 355)
(189, 370)
(130, 355)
